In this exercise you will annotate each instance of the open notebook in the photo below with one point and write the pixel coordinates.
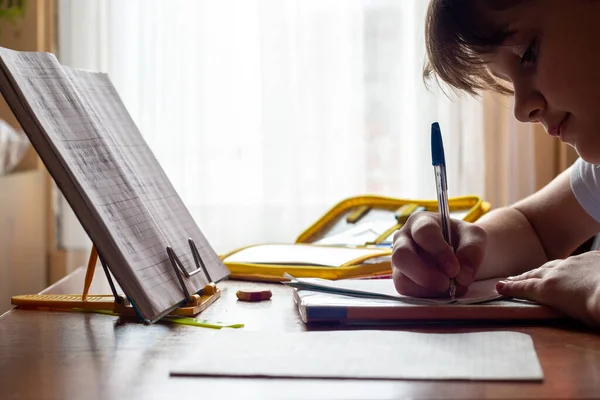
(479, 292)
(108, 174)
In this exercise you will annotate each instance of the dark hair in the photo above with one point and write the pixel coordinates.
(458, 36)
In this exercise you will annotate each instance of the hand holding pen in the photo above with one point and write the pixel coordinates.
(438, 160)
(434, 256)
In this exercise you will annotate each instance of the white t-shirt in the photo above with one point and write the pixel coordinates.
(585, 183)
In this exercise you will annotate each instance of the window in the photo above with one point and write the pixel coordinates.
(265, 113)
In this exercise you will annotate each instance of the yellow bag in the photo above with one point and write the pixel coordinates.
(351, 240)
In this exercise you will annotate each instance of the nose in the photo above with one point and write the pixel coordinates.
(530, 104)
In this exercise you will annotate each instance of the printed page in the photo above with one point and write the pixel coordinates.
(147, 176)
(479, 292)
(94, 173)
(366, 354)
(299, 254)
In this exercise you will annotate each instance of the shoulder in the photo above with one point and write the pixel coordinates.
(585, 184)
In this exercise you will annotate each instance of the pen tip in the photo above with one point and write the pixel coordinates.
(437, 146)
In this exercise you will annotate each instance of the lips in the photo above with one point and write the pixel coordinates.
(559, 129)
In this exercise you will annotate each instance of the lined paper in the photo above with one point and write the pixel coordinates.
(366, 354)
(148, 178)
(83, 133)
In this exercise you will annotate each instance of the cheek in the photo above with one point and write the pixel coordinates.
(572, 86)
(570, 77)
(568, 87)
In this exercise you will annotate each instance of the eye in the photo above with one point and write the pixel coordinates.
(530, 55)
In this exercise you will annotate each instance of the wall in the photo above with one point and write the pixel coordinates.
(26, 223)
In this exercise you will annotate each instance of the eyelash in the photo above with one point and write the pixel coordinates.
(530, 55)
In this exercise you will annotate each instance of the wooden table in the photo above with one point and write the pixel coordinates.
(68, 355)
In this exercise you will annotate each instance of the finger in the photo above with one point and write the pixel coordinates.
(406, 286)
(407, 259)
(528, 289)
(536, 273)
(427, 234)
(396, 234)
(470, 250)
(461, 290)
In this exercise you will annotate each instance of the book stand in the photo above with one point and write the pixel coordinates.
(118, 303)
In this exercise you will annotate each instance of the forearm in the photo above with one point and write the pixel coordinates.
(513, 245)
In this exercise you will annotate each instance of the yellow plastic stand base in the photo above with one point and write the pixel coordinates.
(66, 302)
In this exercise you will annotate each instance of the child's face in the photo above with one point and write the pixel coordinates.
(553, 65)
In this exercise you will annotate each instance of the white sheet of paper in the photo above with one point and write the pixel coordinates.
(366, 354)
(479, 292)
(302, 254)
(358, 235)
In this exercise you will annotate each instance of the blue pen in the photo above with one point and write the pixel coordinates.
(441, 184)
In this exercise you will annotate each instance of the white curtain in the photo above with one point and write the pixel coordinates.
(265, 113)
(517, 162)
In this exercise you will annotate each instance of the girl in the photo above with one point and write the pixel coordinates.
(546, 53)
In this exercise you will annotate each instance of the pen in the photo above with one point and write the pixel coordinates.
(441, 184)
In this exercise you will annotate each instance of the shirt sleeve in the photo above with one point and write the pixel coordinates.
(585, 184)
